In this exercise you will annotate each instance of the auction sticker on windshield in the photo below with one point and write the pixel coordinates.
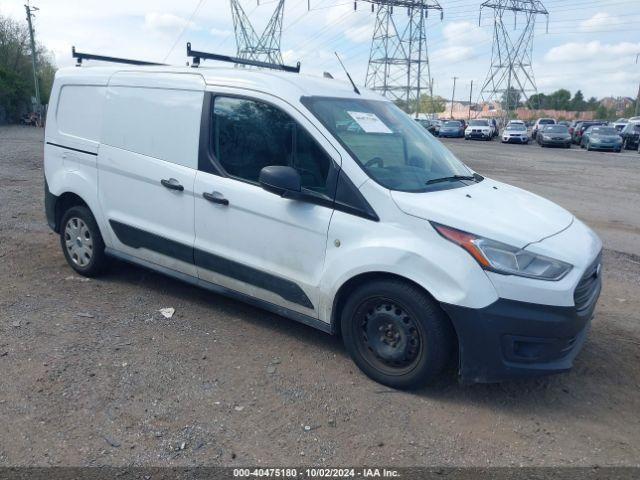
(369, 122)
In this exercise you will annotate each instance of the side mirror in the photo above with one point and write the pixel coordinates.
(280, 179)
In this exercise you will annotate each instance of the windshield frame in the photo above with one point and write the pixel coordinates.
(308, 100)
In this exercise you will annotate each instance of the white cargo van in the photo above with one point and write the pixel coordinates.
(323, 205)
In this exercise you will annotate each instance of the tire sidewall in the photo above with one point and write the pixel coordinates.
(433, 326)
(96, 264)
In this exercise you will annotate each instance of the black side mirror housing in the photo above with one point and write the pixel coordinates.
(280, 179)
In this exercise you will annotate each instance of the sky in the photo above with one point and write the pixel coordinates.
(590, 45)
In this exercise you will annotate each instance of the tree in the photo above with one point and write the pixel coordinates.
(16, 71)
(560, 99)
(510, 99)
(537, 101)
(577, 102)
(429, 104)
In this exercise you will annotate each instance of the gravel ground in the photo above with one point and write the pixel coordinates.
(92, 374)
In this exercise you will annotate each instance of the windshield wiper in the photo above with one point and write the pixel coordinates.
(454, 178)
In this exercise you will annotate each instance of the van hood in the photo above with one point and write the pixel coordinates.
(490, 209)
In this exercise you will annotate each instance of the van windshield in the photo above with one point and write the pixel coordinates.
(389, 146)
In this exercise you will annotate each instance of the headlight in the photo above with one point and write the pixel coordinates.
(502, 258)
(546, 137)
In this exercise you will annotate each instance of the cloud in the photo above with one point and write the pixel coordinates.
(463, 33)
(359, 34)
(220, 32)
(599, 20)
(453, 54)
(167, 21)
(603, 52)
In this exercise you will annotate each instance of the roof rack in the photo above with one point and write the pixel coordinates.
(197, 56)
(89, 56)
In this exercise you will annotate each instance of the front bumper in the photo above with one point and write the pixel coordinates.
(556, 143)
(515, 139)
(510, 339)
(606, 146)
(478, 135)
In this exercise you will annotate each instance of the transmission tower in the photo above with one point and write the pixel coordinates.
(264, 48)
(399, 62)
(511, 70)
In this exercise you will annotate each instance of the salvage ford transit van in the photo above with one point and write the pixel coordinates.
(324, 205)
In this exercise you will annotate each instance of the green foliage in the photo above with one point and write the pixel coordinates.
(510, 98)
(16, 71)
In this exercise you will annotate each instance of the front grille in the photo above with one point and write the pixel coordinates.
(586, 292)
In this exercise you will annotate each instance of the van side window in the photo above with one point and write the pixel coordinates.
(249, 135)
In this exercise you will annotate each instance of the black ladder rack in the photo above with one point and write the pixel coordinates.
(89, 56)
(197, 56)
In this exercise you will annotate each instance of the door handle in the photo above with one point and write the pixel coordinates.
(212, 198)
(172, 184)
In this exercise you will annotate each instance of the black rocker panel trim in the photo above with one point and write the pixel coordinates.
(137, 238)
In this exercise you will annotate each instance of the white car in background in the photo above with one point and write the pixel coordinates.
(515, 132)
(480, 129)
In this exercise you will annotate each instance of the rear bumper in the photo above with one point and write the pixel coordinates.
(512, 340)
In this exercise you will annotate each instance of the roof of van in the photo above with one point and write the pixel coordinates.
(286, 85)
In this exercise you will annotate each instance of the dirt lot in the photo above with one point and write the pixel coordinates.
(92, 374)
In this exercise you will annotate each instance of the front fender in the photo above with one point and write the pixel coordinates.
(412, 250)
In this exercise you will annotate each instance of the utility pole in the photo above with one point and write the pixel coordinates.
(470, 96)
(453, 95)
(33, 53)
(638, 97)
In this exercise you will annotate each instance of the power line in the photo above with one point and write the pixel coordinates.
(184, 29)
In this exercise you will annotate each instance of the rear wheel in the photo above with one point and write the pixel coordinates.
(82, 242)
(396, 334)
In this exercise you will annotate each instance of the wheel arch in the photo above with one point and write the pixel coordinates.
(354, 282)
(63, 203)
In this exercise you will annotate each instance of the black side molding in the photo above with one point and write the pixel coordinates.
(137, 238)
(73, 149)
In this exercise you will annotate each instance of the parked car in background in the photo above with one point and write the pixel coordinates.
(554, 136)
(601, 137)
(538, 125)
(630, 135)
(436, 125)
(634, 119)
(565, 123)
(515, 132)
(429, 125)
(452, 128)
(620, 124)
(479, 129)
(579, 131)
(572, 127)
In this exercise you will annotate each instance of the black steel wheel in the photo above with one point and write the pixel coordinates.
(396, 333)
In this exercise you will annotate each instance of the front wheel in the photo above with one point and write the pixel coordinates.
(396, 334)
(625, 144)
(82, 242)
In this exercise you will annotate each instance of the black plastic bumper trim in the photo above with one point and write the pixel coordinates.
(486, 336)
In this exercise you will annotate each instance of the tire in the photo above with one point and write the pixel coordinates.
(588, 146)
(625, 144)
(416, 337)
(85, 252)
